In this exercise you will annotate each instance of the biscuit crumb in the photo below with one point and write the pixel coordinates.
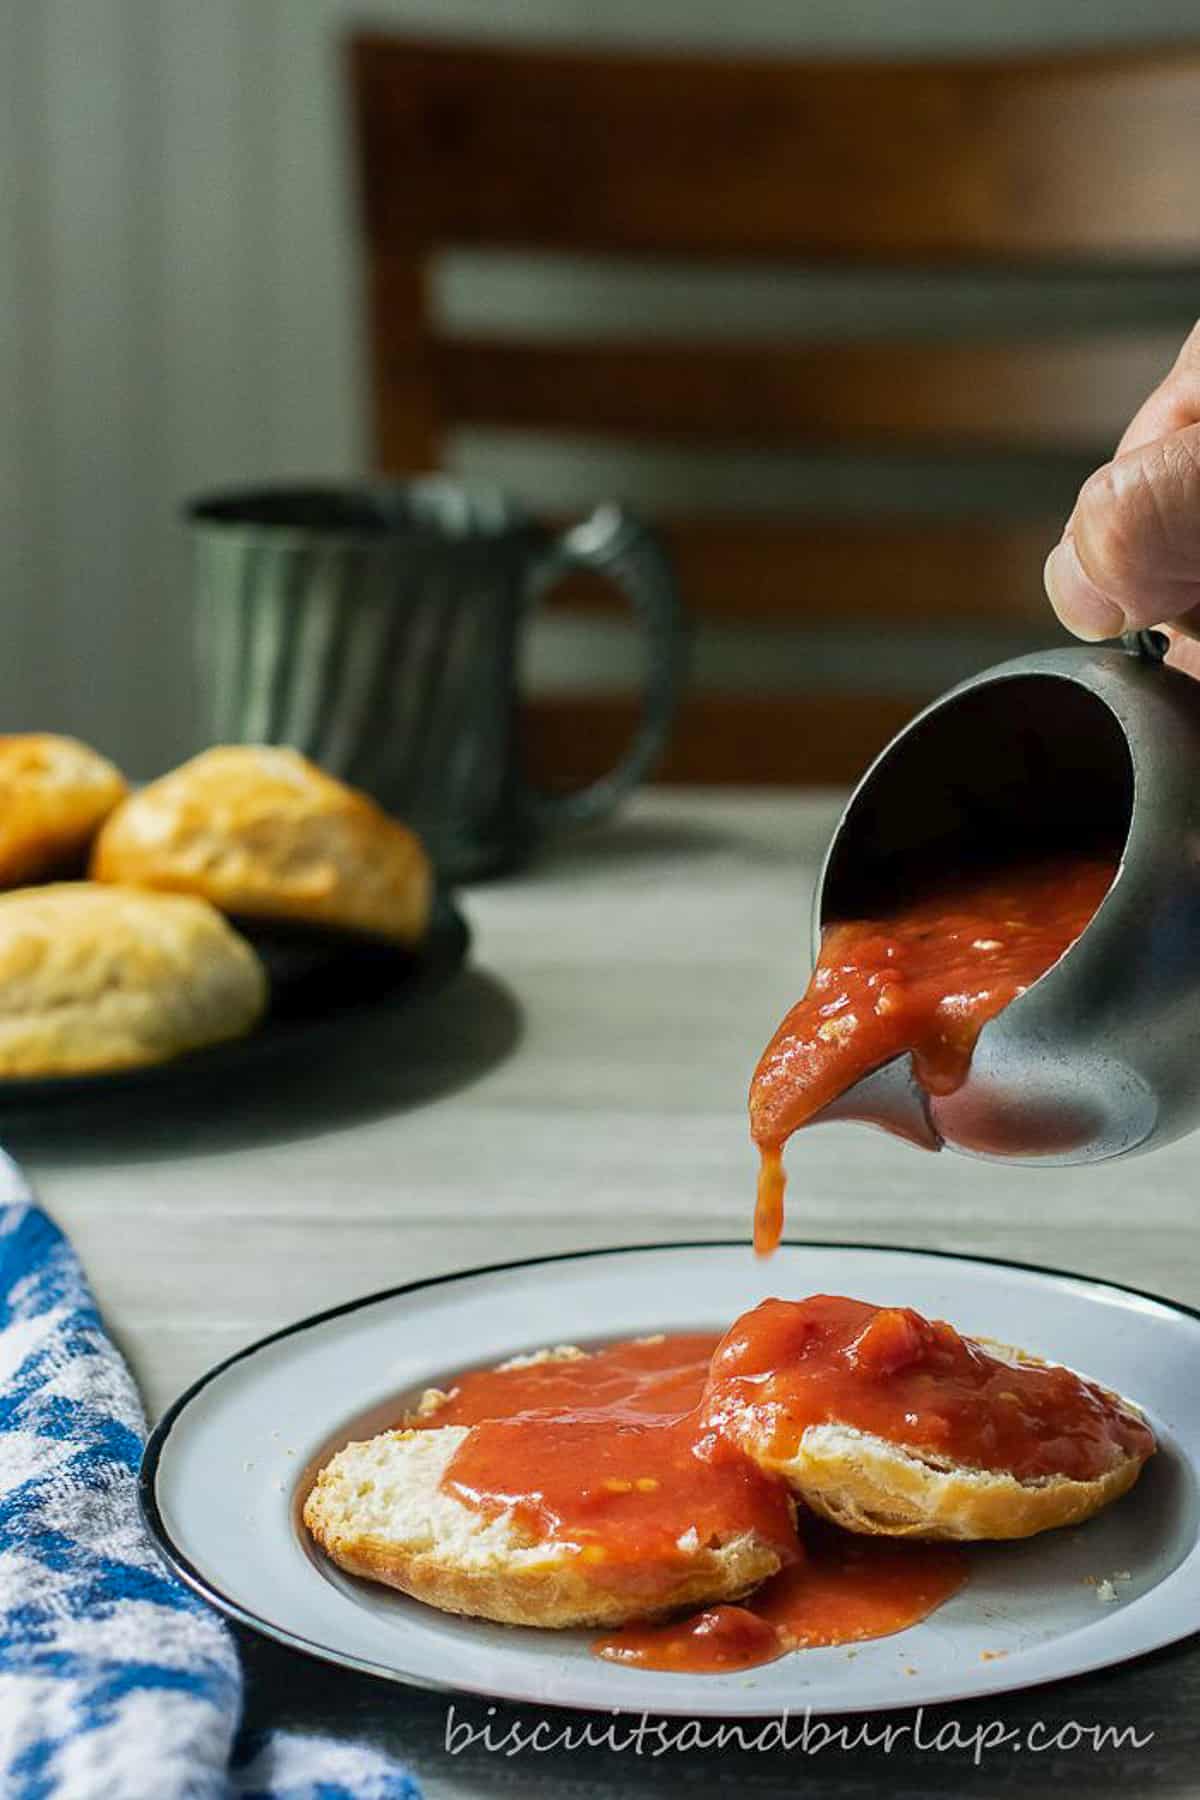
(1106, 1585)
(991, 1655)
(532, 1358)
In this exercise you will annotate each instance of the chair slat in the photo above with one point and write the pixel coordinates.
(814, 574)
(777, 740)
(1059, 396)
(1052, 158)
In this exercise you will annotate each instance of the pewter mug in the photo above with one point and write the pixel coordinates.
(378, 630)
(1094, 750)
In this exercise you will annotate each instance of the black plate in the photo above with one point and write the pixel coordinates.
(320, 981)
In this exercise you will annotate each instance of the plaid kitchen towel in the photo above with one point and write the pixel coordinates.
(116, 1682)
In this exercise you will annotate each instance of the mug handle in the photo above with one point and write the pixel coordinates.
(614, 543)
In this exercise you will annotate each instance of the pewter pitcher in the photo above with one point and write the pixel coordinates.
(1095, 750)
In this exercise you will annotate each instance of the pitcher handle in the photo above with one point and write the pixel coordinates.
(616, 544)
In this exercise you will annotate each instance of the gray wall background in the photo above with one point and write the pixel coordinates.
(179, 308)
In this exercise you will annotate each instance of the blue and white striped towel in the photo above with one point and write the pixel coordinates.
(116, 1683)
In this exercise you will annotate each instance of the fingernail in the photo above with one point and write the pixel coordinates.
(1077, 600)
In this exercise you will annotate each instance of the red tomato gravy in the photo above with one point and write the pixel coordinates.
(604, 1451)
(914, 1381)
(627, 1450)
(845, 1590)
(924, 980)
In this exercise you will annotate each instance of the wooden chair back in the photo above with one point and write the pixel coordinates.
(1056, 163)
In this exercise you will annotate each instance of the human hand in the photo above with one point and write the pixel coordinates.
(1130, 552)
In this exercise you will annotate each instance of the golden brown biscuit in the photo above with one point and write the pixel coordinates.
(95, 978)
(378, 1509)
(263, 833)
(55, 793)
(867, 1484)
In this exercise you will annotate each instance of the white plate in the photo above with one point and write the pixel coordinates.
(224, 1475)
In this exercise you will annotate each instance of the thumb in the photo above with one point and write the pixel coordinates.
(1130, 555)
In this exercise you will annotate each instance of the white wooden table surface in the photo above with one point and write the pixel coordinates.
(583, 1084)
